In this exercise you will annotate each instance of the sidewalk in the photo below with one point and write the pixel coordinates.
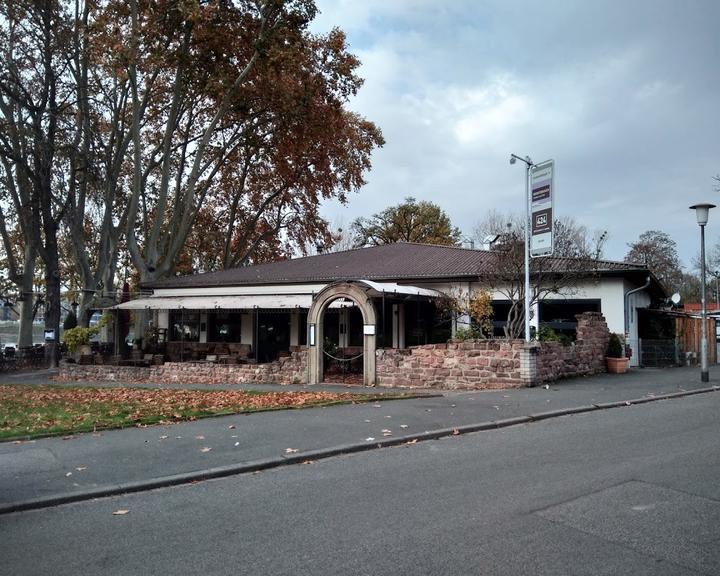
(48, 471)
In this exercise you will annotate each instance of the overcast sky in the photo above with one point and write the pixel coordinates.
(623, 95)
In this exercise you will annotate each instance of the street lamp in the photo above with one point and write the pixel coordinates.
(528, 165)
(702, 211)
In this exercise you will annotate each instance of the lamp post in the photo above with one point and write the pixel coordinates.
(702, 211)
(528, 165)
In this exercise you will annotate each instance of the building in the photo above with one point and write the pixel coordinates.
(346, 305)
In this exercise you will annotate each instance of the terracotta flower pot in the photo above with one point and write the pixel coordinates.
(617, 365)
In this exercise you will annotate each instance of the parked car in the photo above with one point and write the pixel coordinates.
(9, 349)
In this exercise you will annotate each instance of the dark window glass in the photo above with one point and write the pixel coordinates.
(184, 326)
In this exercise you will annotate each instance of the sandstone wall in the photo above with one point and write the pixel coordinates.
(290, 369)
(481, 364)
(486, 364)
(455, 365)
(584, 357)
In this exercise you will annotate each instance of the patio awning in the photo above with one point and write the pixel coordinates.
(247, 302)
(267, 301)
(391, 288)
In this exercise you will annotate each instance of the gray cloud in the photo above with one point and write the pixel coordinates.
(623, 95)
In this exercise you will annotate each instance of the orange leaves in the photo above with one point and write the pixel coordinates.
(42, 409)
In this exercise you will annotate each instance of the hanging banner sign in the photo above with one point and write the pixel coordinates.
(542, 190)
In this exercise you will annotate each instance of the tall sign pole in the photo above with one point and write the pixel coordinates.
(538, 218)
(528, 165)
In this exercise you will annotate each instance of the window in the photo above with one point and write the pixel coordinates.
(224, 326)
(184, 326)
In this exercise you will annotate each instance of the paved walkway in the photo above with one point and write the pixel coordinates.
(49, 471)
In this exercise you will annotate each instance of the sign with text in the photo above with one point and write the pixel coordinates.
(542, 191)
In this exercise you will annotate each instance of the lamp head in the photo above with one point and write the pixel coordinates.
(702, 212)
(512, 160)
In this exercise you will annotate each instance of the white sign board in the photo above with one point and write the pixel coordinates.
(311, 334)
(369, 329)
(542, 191)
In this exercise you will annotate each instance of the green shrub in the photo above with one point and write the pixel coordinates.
(471, 333)
(78, 336)
(615, 347)
(547, 334)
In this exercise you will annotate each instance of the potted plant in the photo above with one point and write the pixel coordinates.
(616, 362)
(77, 340)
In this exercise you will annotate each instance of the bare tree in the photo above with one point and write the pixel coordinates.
(576, 260)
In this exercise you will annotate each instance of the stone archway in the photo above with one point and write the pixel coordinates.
(316, 314)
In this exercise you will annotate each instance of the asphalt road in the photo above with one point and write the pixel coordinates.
(56, 467)
(626, 491)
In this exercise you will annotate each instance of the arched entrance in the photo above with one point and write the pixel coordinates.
(359, 296)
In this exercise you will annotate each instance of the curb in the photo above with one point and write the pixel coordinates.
(323, 453)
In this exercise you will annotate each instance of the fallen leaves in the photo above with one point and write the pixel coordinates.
(205, 449)
(27, 410)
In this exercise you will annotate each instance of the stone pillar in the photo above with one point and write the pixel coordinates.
(529, 364)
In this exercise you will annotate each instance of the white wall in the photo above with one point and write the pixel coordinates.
(294, 328)
(203, 333)
(610, 292)
(247, 328)
(635, 301)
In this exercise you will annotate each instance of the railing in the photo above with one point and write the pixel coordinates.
(32, 359)
(660, 353)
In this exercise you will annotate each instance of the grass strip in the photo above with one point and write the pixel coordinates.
(38, 411)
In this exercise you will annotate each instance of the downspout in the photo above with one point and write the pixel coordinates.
(384, 338)
(627, 313)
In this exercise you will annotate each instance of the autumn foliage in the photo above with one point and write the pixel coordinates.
(37, 410)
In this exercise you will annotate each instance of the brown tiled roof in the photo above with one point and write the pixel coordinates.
(401, 261)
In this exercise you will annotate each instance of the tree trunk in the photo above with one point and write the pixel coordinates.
(52, 305)
(25, 330)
